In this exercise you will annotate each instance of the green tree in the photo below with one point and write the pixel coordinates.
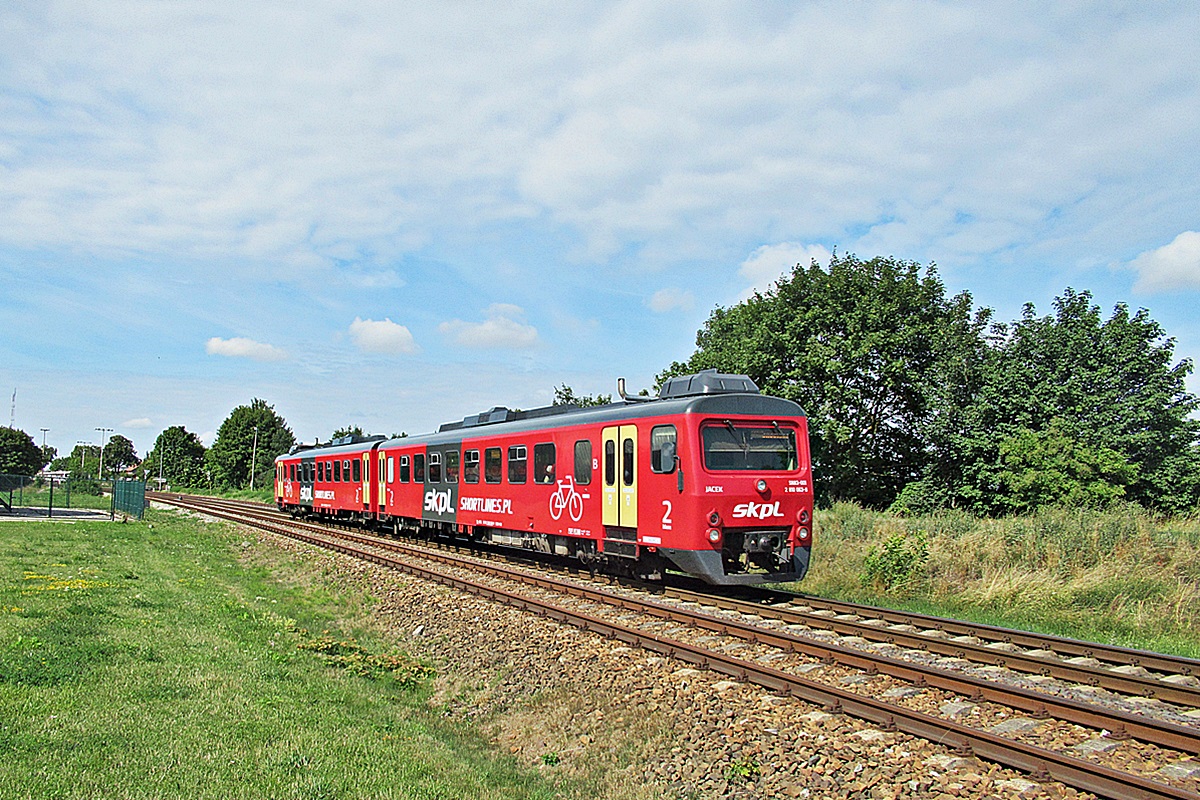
(564, 396)
(119, 454)
(1051, 467)
(238, 442)
(18, 454)
(348, 430)
(866, 348)
(1106, 385)
(177, 458)
(83, 461)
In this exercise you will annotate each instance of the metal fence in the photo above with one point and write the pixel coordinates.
(10, 484)
(25, 496)
(129, 497)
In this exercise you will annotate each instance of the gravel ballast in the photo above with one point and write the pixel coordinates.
(632, 724)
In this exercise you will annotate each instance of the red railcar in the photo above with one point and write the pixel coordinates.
(712, 479)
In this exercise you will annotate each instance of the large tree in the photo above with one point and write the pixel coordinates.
(177, 458)
(1106, 385)
(869, 349)
(238, 442)
(18, 454)
(119, 454)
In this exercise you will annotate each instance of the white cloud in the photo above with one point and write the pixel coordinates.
(670, 298)
(770, 262)
(1170, 267)
(240, 347)
(503, 328)
(137, 424)
(382, 336)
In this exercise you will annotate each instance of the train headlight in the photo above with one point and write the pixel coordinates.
(714, 519)
(803, 533)
(802, 517)
(714, 535)
(761, 485)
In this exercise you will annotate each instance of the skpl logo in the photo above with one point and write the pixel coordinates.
(438, 502)
(757, 510)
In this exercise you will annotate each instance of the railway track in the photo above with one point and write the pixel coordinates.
(773, 650)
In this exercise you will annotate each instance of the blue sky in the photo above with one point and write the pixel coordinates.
(392, 215)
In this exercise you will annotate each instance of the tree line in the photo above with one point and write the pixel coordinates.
(919, 401)
(916, 400)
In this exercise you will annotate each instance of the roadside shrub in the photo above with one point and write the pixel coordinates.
(899, 562)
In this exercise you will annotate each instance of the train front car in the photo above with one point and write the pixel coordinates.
(744, 513)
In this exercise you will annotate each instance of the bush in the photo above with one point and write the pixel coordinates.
(898, 563)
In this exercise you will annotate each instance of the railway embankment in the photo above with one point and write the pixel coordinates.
(1120, 576)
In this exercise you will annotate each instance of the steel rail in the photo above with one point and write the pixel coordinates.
(1137, 685)
(1158, 662)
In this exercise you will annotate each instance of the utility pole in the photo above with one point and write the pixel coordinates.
(43, 430)
(253, 457)
(103, 431)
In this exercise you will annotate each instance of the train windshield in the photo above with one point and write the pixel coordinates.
(730, 446)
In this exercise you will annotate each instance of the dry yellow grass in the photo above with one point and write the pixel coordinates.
(1119, 575)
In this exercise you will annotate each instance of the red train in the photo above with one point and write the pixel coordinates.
(711, 478)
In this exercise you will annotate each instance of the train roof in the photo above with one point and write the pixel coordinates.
(708, 392)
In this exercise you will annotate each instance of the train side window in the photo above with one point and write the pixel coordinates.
(543, 463)
(320, 472)
(435, 468)
(627, 459)
(610, 463)
(405, 475)
(492, 468)
(357, 469)
(391, 469)
(419, 468)
(517, 463)
(471, 466)
(660, 435)
(292, 471)
(583, 462)
(346, 471)
(451, 466)
(337, 472)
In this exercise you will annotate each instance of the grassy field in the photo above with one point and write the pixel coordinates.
(143, 660)
(1118, 576)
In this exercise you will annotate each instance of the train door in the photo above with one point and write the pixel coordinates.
(381, 495)
(620, 476)
(366, 481)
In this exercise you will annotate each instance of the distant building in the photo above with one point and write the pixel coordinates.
(55, 477)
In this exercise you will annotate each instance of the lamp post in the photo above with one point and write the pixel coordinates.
(83, 455)
(253, 458)
(102, 431)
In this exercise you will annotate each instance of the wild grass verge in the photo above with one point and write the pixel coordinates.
(143, 660)
(1119, 576)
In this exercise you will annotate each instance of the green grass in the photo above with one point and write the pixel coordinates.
(145, 660)
(1119, 576)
